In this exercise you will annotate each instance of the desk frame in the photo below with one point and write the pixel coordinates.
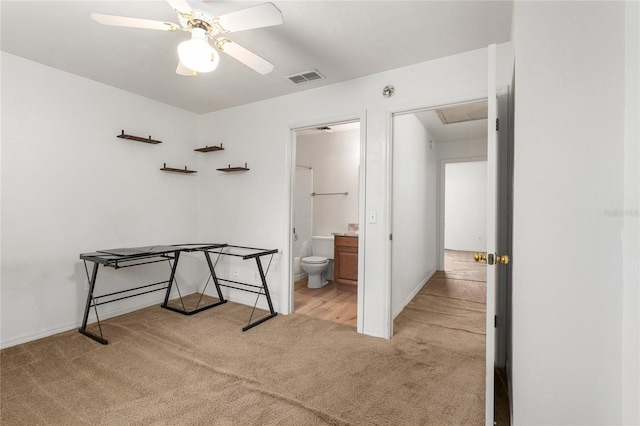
(262, 289)
(154, 254)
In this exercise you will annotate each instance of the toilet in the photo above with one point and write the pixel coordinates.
(316, 265)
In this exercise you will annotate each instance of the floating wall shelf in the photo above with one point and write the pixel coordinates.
(210, 148)
(171, 169)
(234, 169)
(138, 138)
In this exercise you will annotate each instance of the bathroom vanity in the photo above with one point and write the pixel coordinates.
(345, 251)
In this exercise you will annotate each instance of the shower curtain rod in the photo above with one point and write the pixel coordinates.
(313, 194)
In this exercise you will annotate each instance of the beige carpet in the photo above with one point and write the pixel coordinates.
(161, 367)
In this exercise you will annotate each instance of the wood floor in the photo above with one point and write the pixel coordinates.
(331, 302)
(340, 304)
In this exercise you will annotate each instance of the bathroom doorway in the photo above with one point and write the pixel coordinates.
(325, 222)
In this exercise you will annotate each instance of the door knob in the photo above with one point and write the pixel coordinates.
(480, 257)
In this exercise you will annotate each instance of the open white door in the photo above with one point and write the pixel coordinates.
(492, 173)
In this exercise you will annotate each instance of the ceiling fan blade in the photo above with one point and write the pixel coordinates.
(183, 70)
(263, 15)
(181, 6)
(245, 56)
(124, 21)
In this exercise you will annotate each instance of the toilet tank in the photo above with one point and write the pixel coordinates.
(322, 246)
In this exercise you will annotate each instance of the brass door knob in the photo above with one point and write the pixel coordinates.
(480, 257)
(504, 259)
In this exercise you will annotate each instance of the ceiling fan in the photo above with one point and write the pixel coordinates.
(197, 55)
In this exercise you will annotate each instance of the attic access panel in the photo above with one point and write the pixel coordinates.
(463, 112)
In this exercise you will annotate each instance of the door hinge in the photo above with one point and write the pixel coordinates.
(495, 321)
(390, 237)
(497, 124)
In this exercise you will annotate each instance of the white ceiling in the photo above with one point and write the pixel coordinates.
(343, 40)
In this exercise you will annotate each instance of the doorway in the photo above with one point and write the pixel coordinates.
(326, 211)
(450, 301)
(423, 143)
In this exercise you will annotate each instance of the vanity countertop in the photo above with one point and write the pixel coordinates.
(345, 234)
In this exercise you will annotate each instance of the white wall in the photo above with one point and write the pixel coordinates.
(335, 159)
(631, 232)
(414, 204)
(465, 218)
(69, 186)
(569, 174)
(462, 150)
(253, 208)
(302, 210)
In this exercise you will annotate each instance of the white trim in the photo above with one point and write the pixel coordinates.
(290, 166)
(413, 293)
(24, 338)
(362, 214)
(490, 336)
(388, 290)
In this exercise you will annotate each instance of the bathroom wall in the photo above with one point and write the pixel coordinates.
(335, 159)
(302, 215)
(302, 207)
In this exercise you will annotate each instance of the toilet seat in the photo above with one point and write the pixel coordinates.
(314, 259)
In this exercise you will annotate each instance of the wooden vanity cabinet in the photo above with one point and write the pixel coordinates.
(345, 252)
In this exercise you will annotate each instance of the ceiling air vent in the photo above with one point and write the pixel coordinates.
(303, 77)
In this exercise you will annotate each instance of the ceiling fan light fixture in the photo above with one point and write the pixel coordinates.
(197, 54)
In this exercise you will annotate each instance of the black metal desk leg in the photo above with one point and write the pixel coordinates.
(87, 308)
(267, 295)
(213, 275)
(264, 285)
(173, 274)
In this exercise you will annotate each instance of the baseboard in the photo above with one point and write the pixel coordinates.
(410, 297)
(76, 324)
(374, 333)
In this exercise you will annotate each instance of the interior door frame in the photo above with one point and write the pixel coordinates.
(291, 167)
(491, 91)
